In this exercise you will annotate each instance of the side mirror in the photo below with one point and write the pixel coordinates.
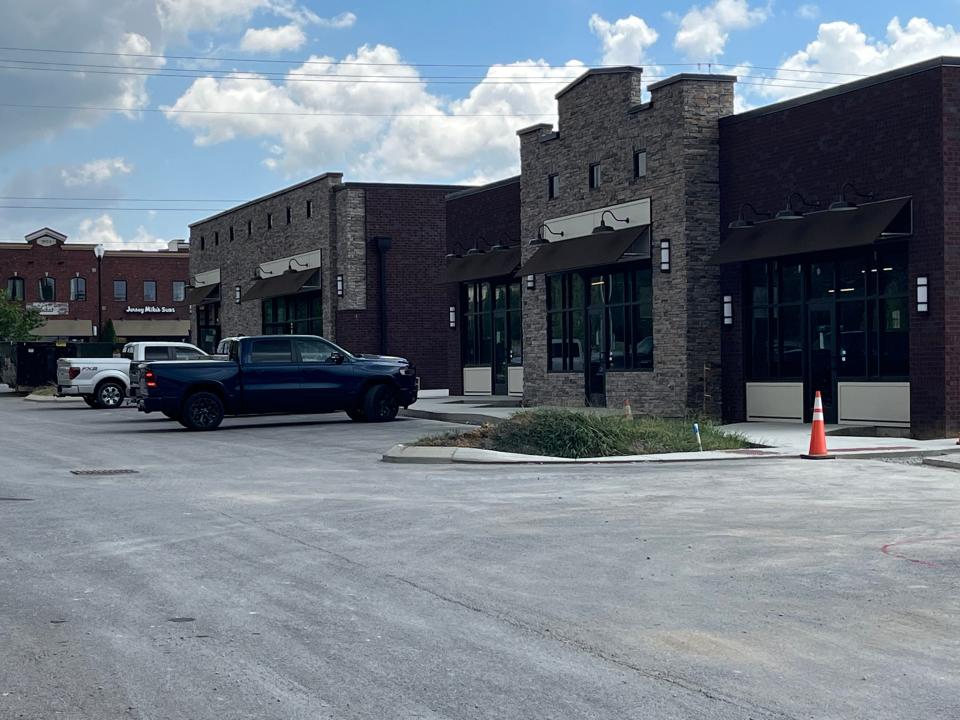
(336, 358)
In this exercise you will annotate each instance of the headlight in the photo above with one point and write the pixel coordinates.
(408, 371)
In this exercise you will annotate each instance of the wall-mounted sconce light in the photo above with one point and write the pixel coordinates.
(728, 310)
(841, 204)
(236, 294)
(922, 296)
(665, 255)
(741, 221)
(540, 239)
(339, 285)
(531, 282)
(453, 316)
(603, 227)
(788, 213)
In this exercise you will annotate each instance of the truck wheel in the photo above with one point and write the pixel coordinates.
(110, 394)
(202, 411)
(380, 404)
(356, 415)
(90, 400)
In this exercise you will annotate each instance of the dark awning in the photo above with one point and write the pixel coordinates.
(816, 232)
(590, 250)
(202, 295)
(288, 283)
(493, 263)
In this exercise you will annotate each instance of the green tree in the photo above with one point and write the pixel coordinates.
(109, 334)
(16, 320)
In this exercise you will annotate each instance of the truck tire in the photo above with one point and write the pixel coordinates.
(202, 411)
(110, 394)
(356, 415)
(90, 400)
(380, 404)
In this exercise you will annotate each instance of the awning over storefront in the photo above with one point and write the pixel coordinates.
(65, 328)
(151, 328)
(815, 232)
(288, 283)
(591, 250)
(202, 295)
(493, 263)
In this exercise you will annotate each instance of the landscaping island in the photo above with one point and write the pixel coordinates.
(588, 434)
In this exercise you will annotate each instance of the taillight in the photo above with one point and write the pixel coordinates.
(73, 373)
(150, 379)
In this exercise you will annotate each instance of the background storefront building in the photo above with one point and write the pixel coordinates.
(841, 254)
(139, 291)
(354, 262)
(619, 214)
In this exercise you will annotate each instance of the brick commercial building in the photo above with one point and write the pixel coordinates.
(620, 210)
(355, 262)
(858, 295)
(139, 291)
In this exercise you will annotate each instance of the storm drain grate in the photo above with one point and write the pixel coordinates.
(106, 471)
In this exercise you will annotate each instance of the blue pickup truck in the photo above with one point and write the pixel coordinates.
(278, 374)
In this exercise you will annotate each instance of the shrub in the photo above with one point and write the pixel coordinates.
(572, 434)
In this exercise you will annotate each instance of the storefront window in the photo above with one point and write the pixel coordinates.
(486, 306)
(78, 288)
(620, 307)
(861, 298)
(300, 314)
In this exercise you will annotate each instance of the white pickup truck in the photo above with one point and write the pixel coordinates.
(105, 382)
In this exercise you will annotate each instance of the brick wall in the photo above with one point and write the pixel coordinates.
(885, 136)
(601, 121)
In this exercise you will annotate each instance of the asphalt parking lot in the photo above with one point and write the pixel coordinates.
(276, 569)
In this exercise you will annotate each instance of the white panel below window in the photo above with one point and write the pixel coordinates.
(775, 402)
(515, 380)
(874, 403)
(478, 381)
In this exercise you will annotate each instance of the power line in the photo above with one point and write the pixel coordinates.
(326, 77)
(101, 199)
(396, 64)
(438, 115)
(139, 209)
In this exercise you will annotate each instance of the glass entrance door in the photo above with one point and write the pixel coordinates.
(500, 351)
(822, 374)
(596, 380)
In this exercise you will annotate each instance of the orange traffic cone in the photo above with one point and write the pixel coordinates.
(818, 435)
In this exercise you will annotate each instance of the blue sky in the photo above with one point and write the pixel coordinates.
(439, 92)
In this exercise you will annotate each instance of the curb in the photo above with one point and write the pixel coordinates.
(942, 463)
(51, 399)
(452, 417)
(416, 454)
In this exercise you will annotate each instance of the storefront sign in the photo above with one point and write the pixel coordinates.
(150, 310)
(50, 308)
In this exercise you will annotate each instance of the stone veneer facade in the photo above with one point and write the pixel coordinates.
(601, 119)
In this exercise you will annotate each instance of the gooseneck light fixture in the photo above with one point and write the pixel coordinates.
(540, 239)
(741, 222)
(788, 213)
(603, 227)
(841, 204)
(290, 267)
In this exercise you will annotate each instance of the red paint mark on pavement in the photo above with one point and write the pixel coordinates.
(887, 549)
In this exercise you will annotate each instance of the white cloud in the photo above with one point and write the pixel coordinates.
(808, 11)
(338, 22)
(440, 144)
(842, 47)
(102, 231)
(285, 37)
(704, 31)
(183, 16)
(625, 41)
(95, 171)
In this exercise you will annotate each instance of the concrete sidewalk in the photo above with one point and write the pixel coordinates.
(464, 409)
